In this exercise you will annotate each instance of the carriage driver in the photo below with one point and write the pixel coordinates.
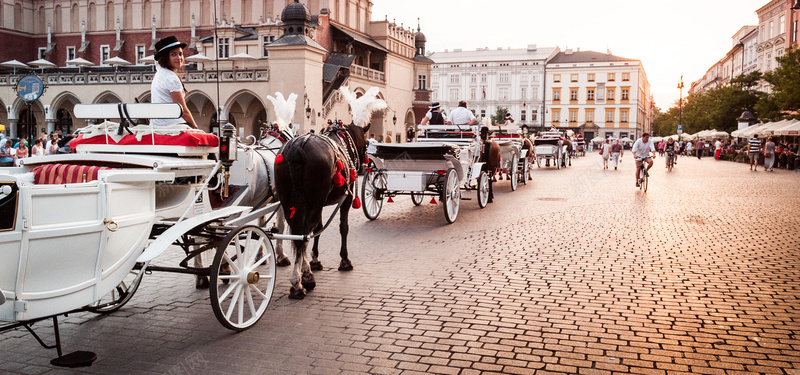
(462, 116)
(434, 117)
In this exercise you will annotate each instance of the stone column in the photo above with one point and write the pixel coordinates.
(12, 127)
(51, 125)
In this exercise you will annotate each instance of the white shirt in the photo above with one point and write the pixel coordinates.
(718, 145)
(165, 82)
(642, 150)
(460, 116)
(372, 148)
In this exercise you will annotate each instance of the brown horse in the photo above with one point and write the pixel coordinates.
(311, 172)
(490, 156)
(528, 145)
(567, 147)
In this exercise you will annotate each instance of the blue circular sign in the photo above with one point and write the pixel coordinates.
(30, 87)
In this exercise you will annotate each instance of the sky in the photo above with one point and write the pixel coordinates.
(671, 38)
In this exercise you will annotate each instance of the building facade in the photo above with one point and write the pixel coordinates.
(245, 51)
(597, 94)
(489, 79)
(772, 22)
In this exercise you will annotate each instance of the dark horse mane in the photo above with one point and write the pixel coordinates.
(311, 172)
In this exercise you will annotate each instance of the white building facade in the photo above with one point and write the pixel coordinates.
(771, 37)
(489, 79)
(598, 94)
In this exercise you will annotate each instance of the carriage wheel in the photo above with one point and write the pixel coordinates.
(416, 197)
(525, 172)
(372, 190)
(483, 189)
(513, 175)
(558, 159)
(451, 195)
(122, 293)
(246, 260)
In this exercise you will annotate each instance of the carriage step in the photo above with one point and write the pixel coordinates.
(74, 359)
(466, 199)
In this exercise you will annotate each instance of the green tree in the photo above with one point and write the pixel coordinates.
(500, 115)
(665, 123)
(785, 81)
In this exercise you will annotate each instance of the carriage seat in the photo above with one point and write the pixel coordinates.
(179, 139)
(57, 174)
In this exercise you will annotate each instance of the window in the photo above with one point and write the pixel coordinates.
(105, 53)
(609, 115)
(224, 48)
(473, 78)
(422, 82)
(556, 77)
(503, 77)
(140, 51)
(573, 94)
(556, 115)
(573, 78)
(771, 30)
(523, 115)
(625, 93)
(473, 94)
(573, 115)
(70, 54)
(623, 115)
(454, 94)
(524, 77)
(434, 80)
(626, 76)
(535, 93)
(590, 77)
(769, 61)
(455, 78)
(534, 113)
(265, 41)
(523, 94)
(590, 115)
(610, 93)
(794, 32)
(504, 93)
(610, 77)
(483, 113)
(483, 93)
(556, 95)
(42, 51)
(483, 78)
(590, 94)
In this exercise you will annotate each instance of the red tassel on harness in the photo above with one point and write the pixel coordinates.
(291, 212)
(356, 203)
(339, 165)
(352, 174)
(366, 160)
(279, 159)
(338, 180)
(433, 200)
(390, 200)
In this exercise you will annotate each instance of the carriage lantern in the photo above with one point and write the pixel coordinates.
(227, 153)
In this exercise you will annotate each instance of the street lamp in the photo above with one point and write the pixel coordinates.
(680, 107)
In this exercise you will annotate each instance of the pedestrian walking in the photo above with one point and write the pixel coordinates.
(769, 155)
(688, 149)
(754, 149)
(616, 153)
(717, 148)
(699, 147)
(605, 153)
(372, 143)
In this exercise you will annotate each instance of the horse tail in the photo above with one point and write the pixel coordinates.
(294, 156)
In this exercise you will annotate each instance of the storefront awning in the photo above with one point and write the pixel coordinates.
(366, 41)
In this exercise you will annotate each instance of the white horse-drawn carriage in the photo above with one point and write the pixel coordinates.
(514, 158)
(78, 231)
(550, 146)
(445, 159)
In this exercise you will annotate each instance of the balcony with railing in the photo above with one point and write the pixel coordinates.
(68, 76)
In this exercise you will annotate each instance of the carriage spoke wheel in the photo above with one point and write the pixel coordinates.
(242, 278)
(451, 198)
(372, 189)
(122, 293)
(483, 189)
(525, 171)
(559, 159)
(416, 197)
(513, 175)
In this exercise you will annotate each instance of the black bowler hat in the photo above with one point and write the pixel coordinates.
(434, 105)
(164, 45)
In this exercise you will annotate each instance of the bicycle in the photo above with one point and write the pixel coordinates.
(671, 161)
(643, 175)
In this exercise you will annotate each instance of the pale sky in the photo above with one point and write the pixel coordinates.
(670, 37)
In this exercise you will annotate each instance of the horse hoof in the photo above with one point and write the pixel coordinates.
(297, 293)
(308, 281)
(315, 265)
(283, 262)
(202, 282)
(345, 265)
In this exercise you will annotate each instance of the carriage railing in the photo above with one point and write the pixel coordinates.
(446, 133)
(128, 113)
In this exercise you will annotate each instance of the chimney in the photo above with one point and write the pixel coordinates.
(531, 47)
(568, 51)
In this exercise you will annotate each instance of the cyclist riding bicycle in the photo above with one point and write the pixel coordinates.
(673, 149)
(642, 150)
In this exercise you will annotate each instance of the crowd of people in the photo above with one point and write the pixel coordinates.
(45, 144)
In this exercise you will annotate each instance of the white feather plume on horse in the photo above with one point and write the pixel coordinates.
(365, 106)
(284, 109)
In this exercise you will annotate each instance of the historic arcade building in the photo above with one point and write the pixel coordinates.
(239, 52)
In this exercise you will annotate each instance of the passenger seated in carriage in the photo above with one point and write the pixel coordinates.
(167, 86)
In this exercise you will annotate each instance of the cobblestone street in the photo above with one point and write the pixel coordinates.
(577, 272)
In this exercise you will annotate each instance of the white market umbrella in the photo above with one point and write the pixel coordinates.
(626, 140)
(242, 57)
(117, 61)
(200, 58)
(14, 64)
(657, 139)
(791, 127)
(148, 60)
(80, 61)
(42, 63)
(598, 139)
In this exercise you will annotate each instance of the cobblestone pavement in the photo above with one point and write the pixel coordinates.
(578, 272)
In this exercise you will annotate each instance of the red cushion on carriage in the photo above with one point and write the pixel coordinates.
(186, 139)
(56, 174)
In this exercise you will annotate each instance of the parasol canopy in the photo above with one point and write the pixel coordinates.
(14, 64)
